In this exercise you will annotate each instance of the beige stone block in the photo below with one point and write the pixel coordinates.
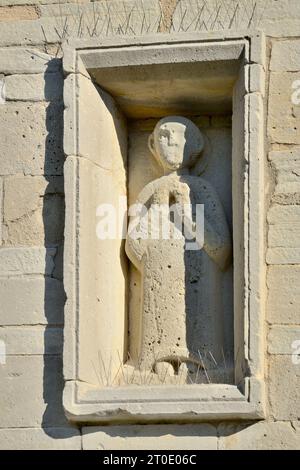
(18, 12)
(34, 32)
(283, 123)
(34, 260)
(34, 87)
(281, 339)
(281, 255)
(278, 214)
(23, 194)
(283, 304)
(39, 381)
(61, 438)
(45, 225)
(284, 388)
(259, 436)
(285, 56)
(29, 340)
(31, 301)
(33, 210)
(150, 437)
(25, 60)
(284, 235)
(33, 142)
(257, 79)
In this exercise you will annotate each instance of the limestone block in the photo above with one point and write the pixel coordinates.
(22, 194)
(259, 436)
(286, 164)
(35, 260)
(61, 438)
(281, 338)
(35, 87)
(31, 301)
(283, 294)
(18, 12)
(285, 56)
(38, 380)
(283, 122)
(278, 214)
(20, 60)
(284, 388)
(280, 255)
(1, 209)
(150, 437)
(15, 33)
(33, 210)
(33, 142)
(257, 79)
(284, 235)
(32, 340)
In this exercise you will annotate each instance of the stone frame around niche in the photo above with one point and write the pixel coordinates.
(83, 400)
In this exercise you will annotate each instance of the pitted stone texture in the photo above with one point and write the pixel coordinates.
(33, 143)
(286, 164)
(34, 87)
(60, 438)
(172, 330)
(283, 112)
(31, 301)
(38, 380)
(284, 388)
(150, 437)
(259, 436)
(283, 294)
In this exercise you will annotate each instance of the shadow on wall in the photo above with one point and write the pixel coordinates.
(53, 220)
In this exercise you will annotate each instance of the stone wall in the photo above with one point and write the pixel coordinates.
(32, 218)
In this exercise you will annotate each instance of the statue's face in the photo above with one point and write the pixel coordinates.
(176, 142)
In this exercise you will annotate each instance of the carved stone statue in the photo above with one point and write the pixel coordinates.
(171, 319)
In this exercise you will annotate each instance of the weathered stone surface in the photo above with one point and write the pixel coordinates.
(35, 260)
(18, 12)
(150, 437)
(34, 87)
(286, 165)
(284, 235)
(281, 339)
(61, 438)
(39, 382)
(283, 294)
(283, 255)
(29, 340)
(284, 388)
(33, 142)
(31, 301)
(33, 210)
(23, 194)
(283, 118)
(278, 214)
(259, 436)
(285, 56)
(24, 60)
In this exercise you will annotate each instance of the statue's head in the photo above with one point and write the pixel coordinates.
(176, 142)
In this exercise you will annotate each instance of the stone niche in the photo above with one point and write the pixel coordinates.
(115, 93)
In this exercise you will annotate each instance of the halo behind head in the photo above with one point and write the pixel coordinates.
(176, 142)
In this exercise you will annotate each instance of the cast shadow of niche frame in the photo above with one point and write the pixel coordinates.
(89, 162)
